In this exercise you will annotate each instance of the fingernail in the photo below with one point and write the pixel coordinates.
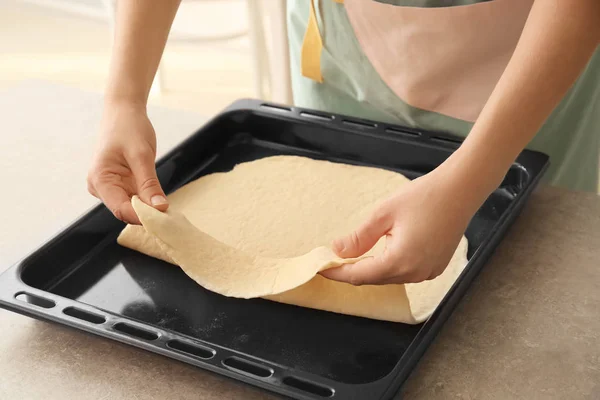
(158, 200)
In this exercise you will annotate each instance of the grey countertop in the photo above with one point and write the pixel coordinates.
(528, 327)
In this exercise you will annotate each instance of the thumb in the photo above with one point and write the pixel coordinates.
(148, 186)
(364, 238)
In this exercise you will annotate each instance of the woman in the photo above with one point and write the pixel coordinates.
(510, 73)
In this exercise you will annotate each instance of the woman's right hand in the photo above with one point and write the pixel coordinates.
(123, 164)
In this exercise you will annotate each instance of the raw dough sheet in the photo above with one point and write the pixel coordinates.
(264, 230)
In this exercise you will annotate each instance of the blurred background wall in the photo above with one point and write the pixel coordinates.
(219, 50)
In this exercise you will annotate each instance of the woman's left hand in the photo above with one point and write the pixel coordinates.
(423, 223)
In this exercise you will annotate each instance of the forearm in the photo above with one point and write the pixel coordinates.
(141, 31)
(557, 42)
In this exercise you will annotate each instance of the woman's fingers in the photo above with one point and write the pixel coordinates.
(369, 270)
(148, 186)
(393, 266)
(365, 237)
(116, 198)
(357, 243)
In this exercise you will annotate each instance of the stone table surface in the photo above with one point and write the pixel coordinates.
(528, 327)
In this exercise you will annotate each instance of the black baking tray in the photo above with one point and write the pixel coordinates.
(82, 278)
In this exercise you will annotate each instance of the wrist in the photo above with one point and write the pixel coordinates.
(117, 112)
(124, 90)
(471, 177)
(115, 102)
(120, 99)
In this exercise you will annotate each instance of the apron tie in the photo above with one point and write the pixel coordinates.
(312, 45)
